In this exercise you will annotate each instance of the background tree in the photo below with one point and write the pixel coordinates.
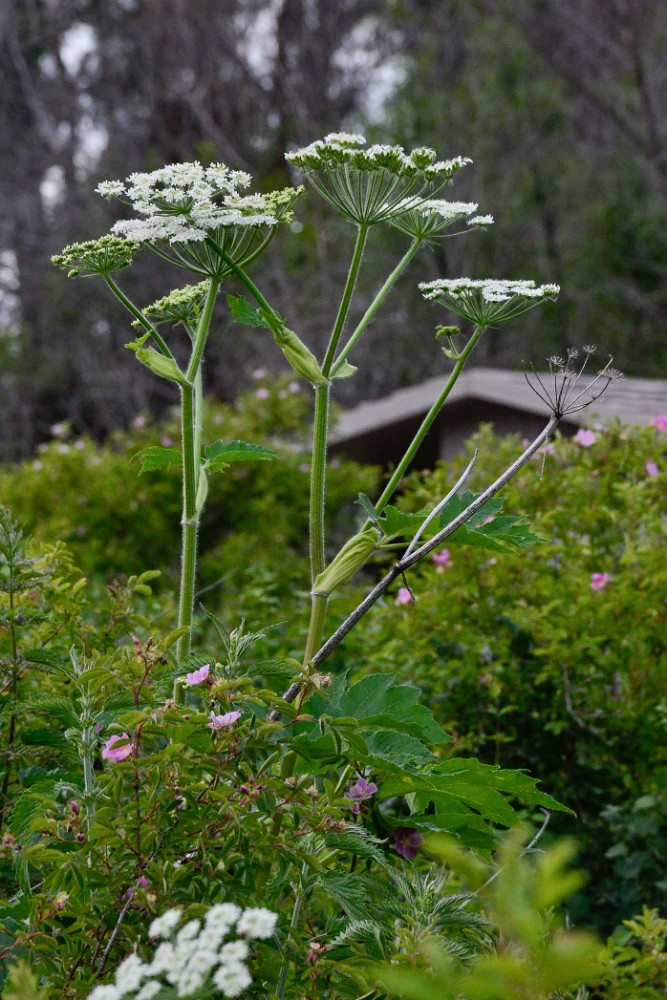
(561, 105)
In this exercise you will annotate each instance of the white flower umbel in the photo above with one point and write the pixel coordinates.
(193, 961)
(485, 301)
(435, 218)
(375, 183)
(185, 205)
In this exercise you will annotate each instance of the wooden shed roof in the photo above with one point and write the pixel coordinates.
(631, 400)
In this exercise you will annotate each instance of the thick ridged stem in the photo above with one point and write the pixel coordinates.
(203, 326)
(299, 894)
(318, 467)
(318, 607)
(318, 481)
(191, 417)
(189, 522)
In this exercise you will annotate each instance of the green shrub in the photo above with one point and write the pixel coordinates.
(524, 661)
(114, 520)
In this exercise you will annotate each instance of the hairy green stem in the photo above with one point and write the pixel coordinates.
(318, 467)
(191, 418)
(375, 305)
(138, 315)
(198, 414)
(343, 309)
(428, 421)
(189, 523)
(203, 326)
(318, 481)
(87, 758)
(318, 619)
(294, 923)
(14, 696)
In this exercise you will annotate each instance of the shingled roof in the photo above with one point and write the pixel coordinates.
(373, 432)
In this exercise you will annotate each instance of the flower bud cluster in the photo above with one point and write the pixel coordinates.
(101, 256)
(180, 306)
(194, 960)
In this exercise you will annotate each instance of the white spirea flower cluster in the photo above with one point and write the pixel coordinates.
(194, 958)
(491, 290)
(184, 201)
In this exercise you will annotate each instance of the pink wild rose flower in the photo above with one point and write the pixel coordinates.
(441, 559)
(599, 580)
(359, 791)
(407, 842)
(198, 676)
(585, 438)
(651, 468)
(219, 722)
(116, 753)
(404, 596)
(660, 422)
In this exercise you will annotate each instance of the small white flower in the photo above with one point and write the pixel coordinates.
(256, 922)
(164, 925)
(202, 959)
(105, 993)
(232, 978)
(188, 932)
(211, 937)
(130, 973)
(110, 189)
(164, 959)
(149, 989)
(480, 220)
(223, 915)
(234, 951)
(189, 982)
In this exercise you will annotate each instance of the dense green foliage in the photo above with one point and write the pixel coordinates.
(529, 666)
(192, 811)
(489, 642)
(117, 521)
(178, 775)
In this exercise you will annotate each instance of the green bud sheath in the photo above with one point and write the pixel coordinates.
(351, 557)
(301, 359)
(166, 367)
